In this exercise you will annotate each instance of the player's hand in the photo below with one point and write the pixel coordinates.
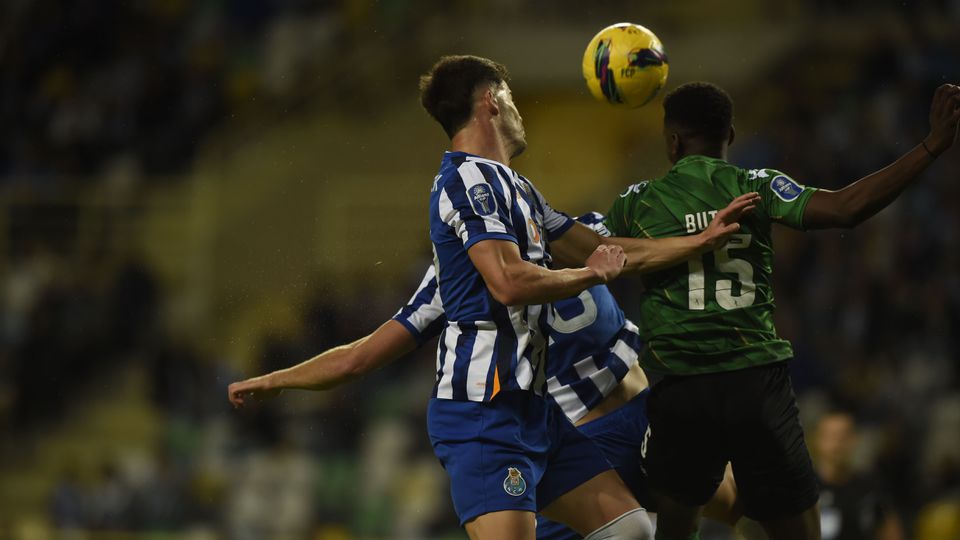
(607, 261)
(726, 221)
(944, 119)
(256, 389)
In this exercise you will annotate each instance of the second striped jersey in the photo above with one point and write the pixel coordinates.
(591, 345)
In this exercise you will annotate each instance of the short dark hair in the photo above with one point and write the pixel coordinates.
(446, 91)
(701, 109)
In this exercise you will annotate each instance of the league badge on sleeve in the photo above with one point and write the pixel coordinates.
(481, 199)
(785, 188)
(514, 484)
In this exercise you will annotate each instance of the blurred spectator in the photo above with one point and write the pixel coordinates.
(853, 504)
(68, 503)
(111, 501)
(272, 494)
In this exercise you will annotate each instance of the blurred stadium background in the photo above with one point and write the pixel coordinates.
(195, 192)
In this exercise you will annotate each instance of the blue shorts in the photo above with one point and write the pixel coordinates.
(619, 435)
(516, 452)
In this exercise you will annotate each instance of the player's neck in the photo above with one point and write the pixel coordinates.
(705, 150)
(482, 139)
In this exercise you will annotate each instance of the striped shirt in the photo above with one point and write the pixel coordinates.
(487, 347)
(591, 345)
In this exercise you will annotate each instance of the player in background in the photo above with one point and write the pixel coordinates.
(726, 394)
(853, 503)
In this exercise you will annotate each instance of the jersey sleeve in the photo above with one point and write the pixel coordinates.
(783, 199)
(596, 221)
(554, 221)
(474, 208)
(423, 316)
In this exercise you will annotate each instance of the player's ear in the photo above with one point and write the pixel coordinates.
(488, 100)
(733, 135)
(674, 147)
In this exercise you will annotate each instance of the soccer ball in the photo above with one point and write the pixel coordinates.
(625, 65)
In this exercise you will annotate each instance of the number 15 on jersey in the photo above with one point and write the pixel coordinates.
(724, 288)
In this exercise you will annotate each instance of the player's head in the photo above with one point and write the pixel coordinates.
(458, 87)
(835, 439)
(697, 119)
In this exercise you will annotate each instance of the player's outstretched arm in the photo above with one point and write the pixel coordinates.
(858, 201)
(330, 368)
(649, 255)
(513, 281)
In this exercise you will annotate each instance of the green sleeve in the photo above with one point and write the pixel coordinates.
(783, 199)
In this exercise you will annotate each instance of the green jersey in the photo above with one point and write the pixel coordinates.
(715, 312)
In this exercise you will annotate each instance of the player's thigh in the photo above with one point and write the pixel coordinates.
(723, 506)
(494, 453)
(619, 435)
(684, 453)
(771, 463)
(505, 525)
(592, 504)
(676, 519)
(579, 487)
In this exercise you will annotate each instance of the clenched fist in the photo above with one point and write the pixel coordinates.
(607, 261)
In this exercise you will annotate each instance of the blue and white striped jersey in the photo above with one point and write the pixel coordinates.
(591, 345)
(486, 346)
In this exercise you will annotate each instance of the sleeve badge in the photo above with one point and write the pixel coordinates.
(482, 199)
(785, 188)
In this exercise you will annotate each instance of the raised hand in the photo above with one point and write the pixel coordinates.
(944, 119)
(257, 389)
(726, 221)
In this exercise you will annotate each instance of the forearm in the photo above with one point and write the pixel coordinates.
(649, 255)
(327, 370)
(867, 196)
(574, 247)
(343, 364)
(526, 283)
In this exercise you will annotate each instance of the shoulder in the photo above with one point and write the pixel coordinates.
(448, 175)
(634, 193)
(461, 177)
(761, 175)
(643, 196)
(635, 189)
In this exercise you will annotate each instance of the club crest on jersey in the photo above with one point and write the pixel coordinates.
(481, 199)
(514, 484)
(785, 188)
(534, 230)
